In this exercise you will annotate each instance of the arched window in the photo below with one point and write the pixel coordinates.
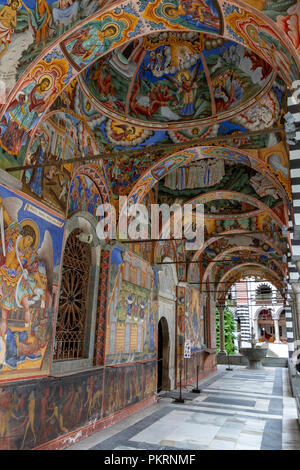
(263, 294)
(72, 310)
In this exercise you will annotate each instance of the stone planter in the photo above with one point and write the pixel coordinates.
(254, 356)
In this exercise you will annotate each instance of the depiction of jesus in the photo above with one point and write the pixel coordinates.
(8, 21)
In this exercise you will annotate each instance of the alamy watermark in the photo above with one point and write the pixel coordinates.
(139, 222)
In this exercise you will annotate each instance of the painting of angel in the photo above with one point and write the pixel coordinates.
(26, 288)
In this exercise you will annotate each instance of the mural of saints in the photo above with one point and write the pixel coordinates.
(8, 21)
(23, 112)
(23, 286)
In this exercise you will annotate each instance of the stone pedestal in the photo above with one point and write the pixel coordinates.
(254, 356)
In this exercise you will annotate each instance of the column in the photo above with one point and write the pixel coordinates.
(277, 336)
(296, 289)
(255, 328)
(222, 331)
(290, 323)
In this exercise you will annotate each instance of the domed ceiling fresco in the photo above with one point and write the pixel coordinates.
(176, 80)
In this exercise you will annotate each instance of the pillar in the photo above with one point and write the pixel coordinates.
(290, 316)
(222, 331)
(277, 335)
(255, 328)
(296, 289)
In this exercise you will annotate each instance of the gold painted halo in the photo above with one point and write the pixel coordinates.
(114, 26)
(18, 1)
(167, 7)
(32, 230)
(49, 77)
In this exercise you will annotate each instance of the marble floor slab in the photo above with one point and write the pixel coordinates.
(236, 410)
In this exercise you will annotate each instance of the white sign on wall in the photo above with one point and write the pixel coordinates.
(187, 349)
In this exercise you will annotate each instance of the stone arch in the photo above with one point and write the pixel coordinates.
(167, 309)
(244, 270)
(163, 371)
(234, 232)
(237, 249)
(172, 162)
(278, 313)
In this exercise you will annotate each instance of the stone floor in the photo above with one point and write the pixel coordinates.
(236, 410)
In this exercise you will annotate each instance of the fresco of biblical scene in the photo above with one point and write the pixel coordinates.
(28, 26)
(211, 175)
(233, 70)
(194, 319)
(84, 195)
(28, 104)
(87, 43)
(31, 242)
(200, 15)
(39, 411)
(170, 77)
(23, 113)
(134, 390)
(132, 309)
(272, 8)
(261, 37)
(60, 137)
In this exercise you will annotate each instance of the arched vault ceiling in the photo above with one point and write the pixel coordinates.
(188, 157)
(215, 245)
(115, 135)
(177, 81)
(240, 254)
(45, 65)
(245, 270)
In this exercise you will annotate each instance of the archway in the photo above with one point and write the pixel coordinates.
(282, 327)
(167, 312)
(163, 355)
(266, 328)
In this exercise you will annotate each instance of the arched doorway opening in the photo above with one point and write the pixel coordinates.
(266, 328)
(282, 327)
(163, 354)
(167, 310)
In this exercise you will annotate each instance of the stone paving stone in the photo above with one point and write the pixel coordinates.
(230, 401)
(238, 411)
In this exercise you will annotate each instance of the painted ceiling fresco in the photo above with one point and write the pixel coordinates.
(114, 25)
(171, 79)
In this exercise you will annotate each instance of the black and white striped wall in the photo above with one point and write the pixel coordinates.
(294, 154)
(289, 329)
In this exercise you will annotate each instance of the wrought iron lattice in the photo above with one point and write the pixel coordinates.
(72, 309)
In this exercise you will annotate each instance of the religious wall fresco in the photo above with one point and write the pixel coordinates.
(35, 413)
(256, 34)
(31, 243)
(27, 27)
(185, 14)
(84, 195)
(132, 309)
(24, 111)
(194, 318)
(211, 175)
